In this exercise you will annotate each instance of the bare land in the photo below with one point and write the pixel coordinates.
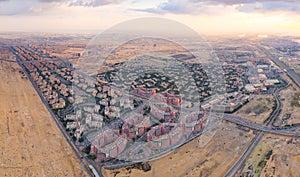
(31, 145)
(258, 109)
(290, 114)
(274, 156)
(292, 62)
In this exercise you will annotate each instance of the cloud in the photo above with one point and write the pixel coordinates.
(207, 6)
(179, 7)
(15, 7)
(86, 3)
(234, 2)
(271, 6)
(51, 0)
(258, 5)
(93, 3)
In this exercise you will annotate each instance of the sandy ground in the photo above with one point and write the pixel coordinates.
(209, 155)
(258, 109)
(31, 144)
(292, 62)
(283, 158)
(134, 49)
(290, 114)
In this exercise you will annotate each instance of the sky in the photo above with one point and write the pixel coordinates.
(210, 17)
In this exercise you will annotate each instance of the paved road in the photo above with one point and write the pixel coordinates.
(14, 61)
(240, 161)
(240, 121)
(237, 165)
(263, 128)
(58, 123)
(288, 131)
(276, 60)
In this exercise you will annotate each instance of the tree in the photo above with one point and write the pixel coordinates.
(81, 139)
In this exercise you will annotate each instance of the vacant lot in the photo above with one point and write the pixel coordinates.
(290, 114)
(31, 144)
(258, 109)
(274, 156)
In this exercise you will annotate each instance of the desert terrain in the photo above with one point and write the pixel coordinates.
(33, 145)
(290, 114)
(290, 98)
(274, 156)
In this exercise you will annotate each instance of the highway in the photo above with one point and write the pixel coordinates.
(231, 172)
(266, 128)
(241, 160)
(290, 131)
(240, 121)
(279, 63)
(58, 123)
(263, 129)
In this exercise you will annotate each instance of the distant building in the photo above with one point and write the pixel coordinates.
(271, 82)
(250, 88)
(144, 92)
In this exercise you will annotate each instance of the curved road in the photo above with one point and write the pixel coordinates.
(241, 160)
(230, 118)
